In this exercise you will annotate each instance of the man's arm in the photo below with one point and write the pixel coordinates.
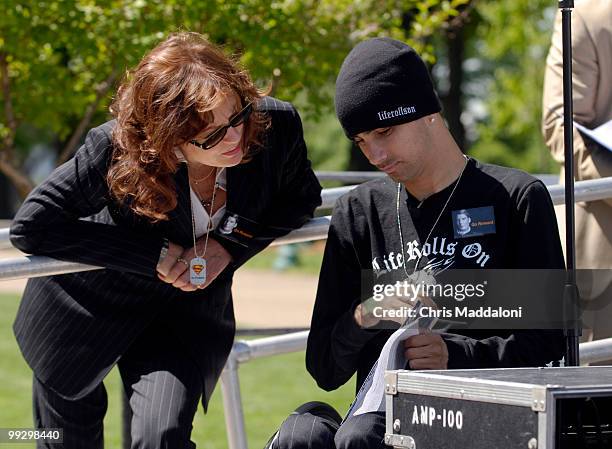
(591, 162)
(335, 338)
(535, 240)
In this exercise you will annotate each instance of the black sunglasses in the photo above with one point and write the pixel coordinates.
(217, 135)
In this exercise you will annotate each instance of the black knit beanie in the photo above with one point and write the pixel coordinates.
(383, 82)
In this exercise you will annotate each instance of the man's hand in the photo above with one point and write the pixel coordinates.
(217, 259)
(426, 351)
(391, 308)
(370, 313)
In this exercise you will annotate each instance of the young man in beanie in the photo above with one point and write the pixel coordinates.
(408, 222)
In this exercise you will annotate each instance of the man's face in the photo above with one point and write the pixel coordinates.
(399, 151)
(463, 222)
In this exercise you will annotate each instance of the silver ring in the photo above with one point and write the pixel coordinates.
(181, 260)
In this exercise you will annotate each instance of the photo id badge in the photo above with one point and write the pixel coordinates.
(197, 271)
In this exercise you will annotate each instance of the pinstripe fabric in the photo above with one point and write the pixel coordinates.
(309, 430)
(163, 387)
(73, 328)
(365, 431)
(82, 422)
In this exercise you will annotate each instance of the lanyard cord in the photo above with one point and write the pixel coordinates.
(209, 225)
(399, 223)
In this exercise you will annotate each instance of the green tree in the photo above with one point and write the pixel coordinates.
(512, 42)
(60, 61)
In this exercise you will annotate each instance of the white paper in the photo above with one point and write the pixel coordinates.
(371, 395)
(602, 134)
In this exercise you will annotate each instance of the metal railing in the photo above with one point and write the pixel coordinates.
(357, 177)
(35, 266)
(349, 177)
(244, 351)
(316, 229)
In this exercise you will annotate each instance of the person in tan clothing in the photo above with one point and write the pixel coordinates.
(592, 94)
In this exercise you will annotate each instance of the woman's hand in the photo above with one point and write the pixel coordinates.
(167, 267)
(217, 259)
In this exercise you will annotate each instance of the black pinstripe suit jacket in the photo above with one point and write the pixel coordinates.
(73, 328)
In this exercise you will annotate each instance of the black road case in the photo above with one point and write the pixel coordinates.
(516, 408)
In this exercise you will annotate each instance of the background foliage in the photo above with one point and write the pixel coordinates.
(60, 62)
(513, 42)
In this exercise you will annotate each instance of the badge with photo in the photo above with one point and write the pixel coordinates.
(237, 228)
(473, 222)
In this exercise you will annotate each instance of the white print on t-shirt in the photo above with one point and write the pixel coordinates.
(441, 254)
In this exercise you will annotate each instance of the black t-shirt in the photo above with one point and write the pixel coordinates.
(497, 217)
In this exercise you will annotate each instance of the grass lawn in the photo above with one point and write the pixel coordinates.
(271, 388)
(309, 258)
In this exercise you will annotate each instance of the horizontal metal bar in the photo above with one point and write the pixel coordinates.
(591, 190)
(267, 331)
(349, 176)
(596, 351)
(246, 350)
(36, 266)
(357, 177)
(330, 196)
(595, 189)
(315, 229)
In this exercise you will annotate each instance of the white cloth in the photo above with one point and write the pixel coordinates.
(201, 217)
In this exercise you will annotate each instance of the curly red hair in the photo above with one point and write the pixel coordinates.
(164, 102)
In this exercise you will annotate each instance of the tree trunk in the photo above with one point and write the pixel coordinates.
(453, 100)
(19, 179)
(101, 90)
(7, 147)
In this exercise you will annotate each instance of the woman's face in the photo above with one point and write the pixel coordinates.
(228, 152)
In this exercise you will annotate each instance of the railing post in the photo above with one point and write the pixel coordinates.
(126, 421)
(232, 405)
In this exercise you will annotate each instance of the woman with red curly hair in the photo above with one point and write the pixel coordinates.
(198, 172)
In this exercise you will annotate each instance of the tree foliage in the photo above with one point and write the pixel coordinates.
(60, 61)
(512, 42)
